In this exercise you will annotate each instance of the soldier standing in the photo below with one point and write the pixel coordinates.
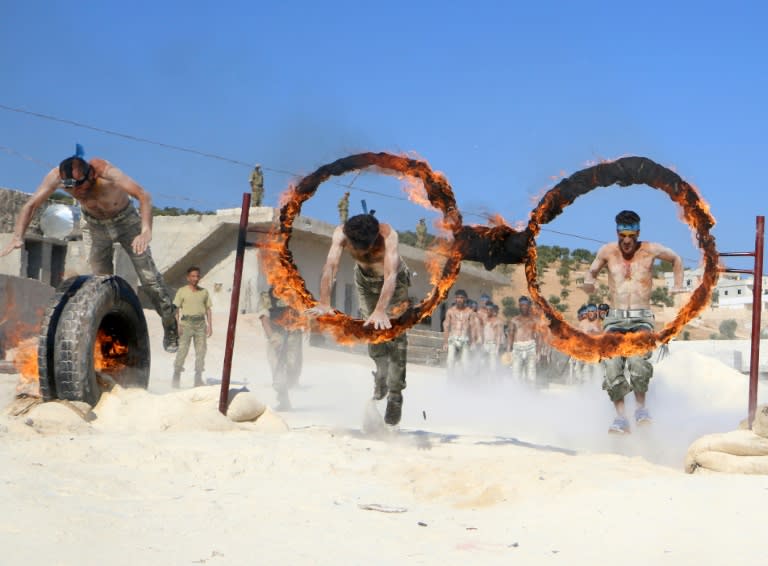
(194, 311)
(421, 233)
(344, 208)
(284, 345)
(257, 186)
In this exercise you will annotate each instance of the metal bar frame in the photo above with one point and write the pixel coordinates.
(757, 309)
(234, 304)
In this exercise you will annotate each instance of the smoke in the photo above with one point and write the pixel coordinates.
(690, 395)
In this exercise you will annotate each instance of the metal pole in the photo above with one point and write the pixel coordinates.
(234, 303)
(757, 309)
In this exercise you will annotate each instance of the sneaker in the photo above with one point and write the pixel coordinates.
(642, 416)
(171, 337)
(394, 409)
(620, 425)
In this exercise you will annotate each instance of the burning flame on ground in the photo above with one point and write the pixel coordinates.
(108, 352)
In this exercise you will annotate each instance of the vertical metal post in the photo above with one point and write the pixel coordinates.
(234, 303)
(757, 309)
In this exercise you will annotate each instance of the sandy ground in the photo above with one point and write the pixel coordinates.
(477, 474)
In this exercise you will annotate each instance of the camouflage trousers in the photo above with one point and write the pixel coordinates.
(284, 353)
(390, 357)
(192, 330)
(639, 368)
(524, 361)
(122, 229)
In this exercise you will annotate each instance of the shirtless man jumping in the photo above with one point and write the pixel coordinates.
(382, 279)
(629, 263)
(104, 193)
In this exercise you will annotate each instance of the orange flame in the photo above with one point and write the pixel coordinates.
(109, 352)
(695, 211)
(25, 361)
(283, 275)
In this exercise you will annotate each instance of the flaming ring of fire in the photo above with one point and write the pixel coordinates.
(624, 172)
(290, 285)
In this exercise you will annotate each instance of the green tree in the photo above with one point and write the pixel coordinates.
(509, 307)
(663, 266)
(583, 255)
(728, 329)
(661, 297)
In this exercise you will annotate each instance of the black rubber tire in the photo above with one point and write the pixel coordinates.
(104, 301)
(47, 337)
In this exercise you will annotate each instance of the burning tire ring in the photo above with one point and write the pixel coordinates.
(440, 195)
(624, 172)
(81, 309)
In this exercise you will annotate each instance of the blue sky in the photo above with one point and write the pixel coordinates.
(502, 97)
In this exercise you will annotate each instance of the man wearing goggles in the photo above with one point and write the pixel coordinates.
(104, 194)
(629, 263)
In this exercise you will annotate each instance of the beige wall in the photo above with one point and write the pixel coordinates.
(175, 237)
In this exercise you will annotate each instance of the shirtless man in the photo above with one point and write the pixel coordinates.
(458, 333)
(104, 193)
(493, 337)
(590, 324)
(524, 342)
(629, 263)
(382, 279)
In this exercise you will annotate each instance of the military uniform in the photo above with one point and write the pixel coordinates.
(194, 305)
(390, 357)
(344, 208)
(123, 228)
(284, 346)
(640, 369)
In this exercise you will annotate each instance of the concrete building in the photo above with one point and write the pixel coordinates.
(209, 241)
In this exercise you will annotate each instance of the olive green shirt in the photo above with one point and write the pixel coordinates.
(191, 302)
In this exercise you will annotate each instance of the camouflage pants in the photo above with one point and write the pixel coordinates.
(284, 353)
(524, 361)
(192, 330)
(390, 357)
(639, 368)
(122, 229)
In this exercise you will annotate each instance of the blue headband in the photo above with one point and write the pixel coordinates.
(633, 227)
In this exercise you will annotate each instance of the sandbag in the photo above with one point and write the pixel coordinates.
(723, 453)
(245, 406)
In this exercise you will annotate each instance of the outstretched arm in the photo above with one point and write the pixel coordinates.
(677, 266)
(328, 275)
(594, 269)
(47, 187)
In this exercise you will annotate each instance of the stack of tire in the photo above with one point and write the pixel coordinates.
(80, 307)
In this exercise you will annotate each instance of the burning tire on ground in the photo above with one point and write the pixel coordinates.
(47, 339)
(93, 325)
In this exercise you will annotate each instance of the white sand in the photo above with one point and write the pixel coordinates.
(488, 475)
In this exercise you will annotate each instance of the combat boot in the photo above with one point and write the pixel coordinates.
(394, 409)
(176, 381)
(379, 387)
(199, 380)
(171, 336)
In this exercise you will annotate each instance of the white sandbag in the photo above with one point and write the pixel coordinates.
(731, 464)
(245, 406)
(737, 443)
